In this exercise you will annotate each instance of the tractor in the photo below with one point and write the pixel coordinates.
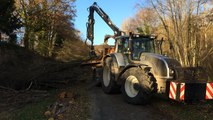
(133, 67)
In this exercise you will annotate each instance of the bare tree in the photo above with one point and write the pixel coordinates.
(128, 25)
(144, 21)
(183, 22)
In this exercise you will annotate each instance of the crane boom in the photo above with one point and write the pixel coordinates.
(91, 22)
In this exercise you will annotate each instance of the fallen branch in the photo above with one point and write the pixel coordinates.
(15, 100)
(7, 88)
(31, 83)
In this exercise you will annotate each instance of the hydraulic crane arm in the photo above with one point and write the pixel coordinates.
(91, 22)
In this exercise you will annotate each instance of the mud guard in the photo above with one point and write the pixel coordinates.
(119, 81)
(120, 62)
(119, 58)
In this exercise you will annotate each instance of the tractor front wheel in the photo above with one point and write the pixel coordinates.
(138, 86)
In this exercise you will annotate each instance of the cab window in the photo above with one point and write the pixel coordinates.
(140, 45)
(122, 45)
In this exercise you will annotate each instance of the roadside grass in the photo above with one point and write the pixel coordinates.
(198, 110)
(78, 110)
(34, 111)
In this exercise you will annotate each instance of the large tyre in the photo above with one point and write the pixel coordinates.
(138, 86)
(108, 82)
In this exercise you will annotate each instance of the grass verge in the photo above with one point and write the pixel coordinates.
(202, 110)
(34, 111)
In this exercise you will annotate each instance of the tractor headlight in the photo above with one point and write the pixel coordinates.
(171, 72)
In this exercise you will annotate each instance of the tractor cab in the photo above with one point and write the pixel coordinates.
(135, 45)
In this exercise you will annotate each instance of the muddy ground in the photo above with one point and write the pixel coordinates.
(113, 107)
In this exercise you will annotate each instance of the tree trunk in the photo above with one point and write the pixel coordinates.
(26, 38)
(0, 36)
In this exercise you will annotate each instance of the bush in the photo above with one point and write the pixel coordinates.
(73, 50)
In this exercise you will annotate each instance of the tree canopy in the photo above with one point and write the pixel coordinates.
(9, 20)
(47, 23)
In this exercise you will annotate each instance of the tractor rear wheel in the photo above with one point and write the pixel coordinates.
(108, 82)
(138, 86)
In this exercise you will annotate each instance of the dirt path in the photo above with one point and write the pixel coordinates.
(113, 107)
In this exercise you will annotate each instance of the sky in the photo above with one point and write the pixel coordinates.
(117, 10)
